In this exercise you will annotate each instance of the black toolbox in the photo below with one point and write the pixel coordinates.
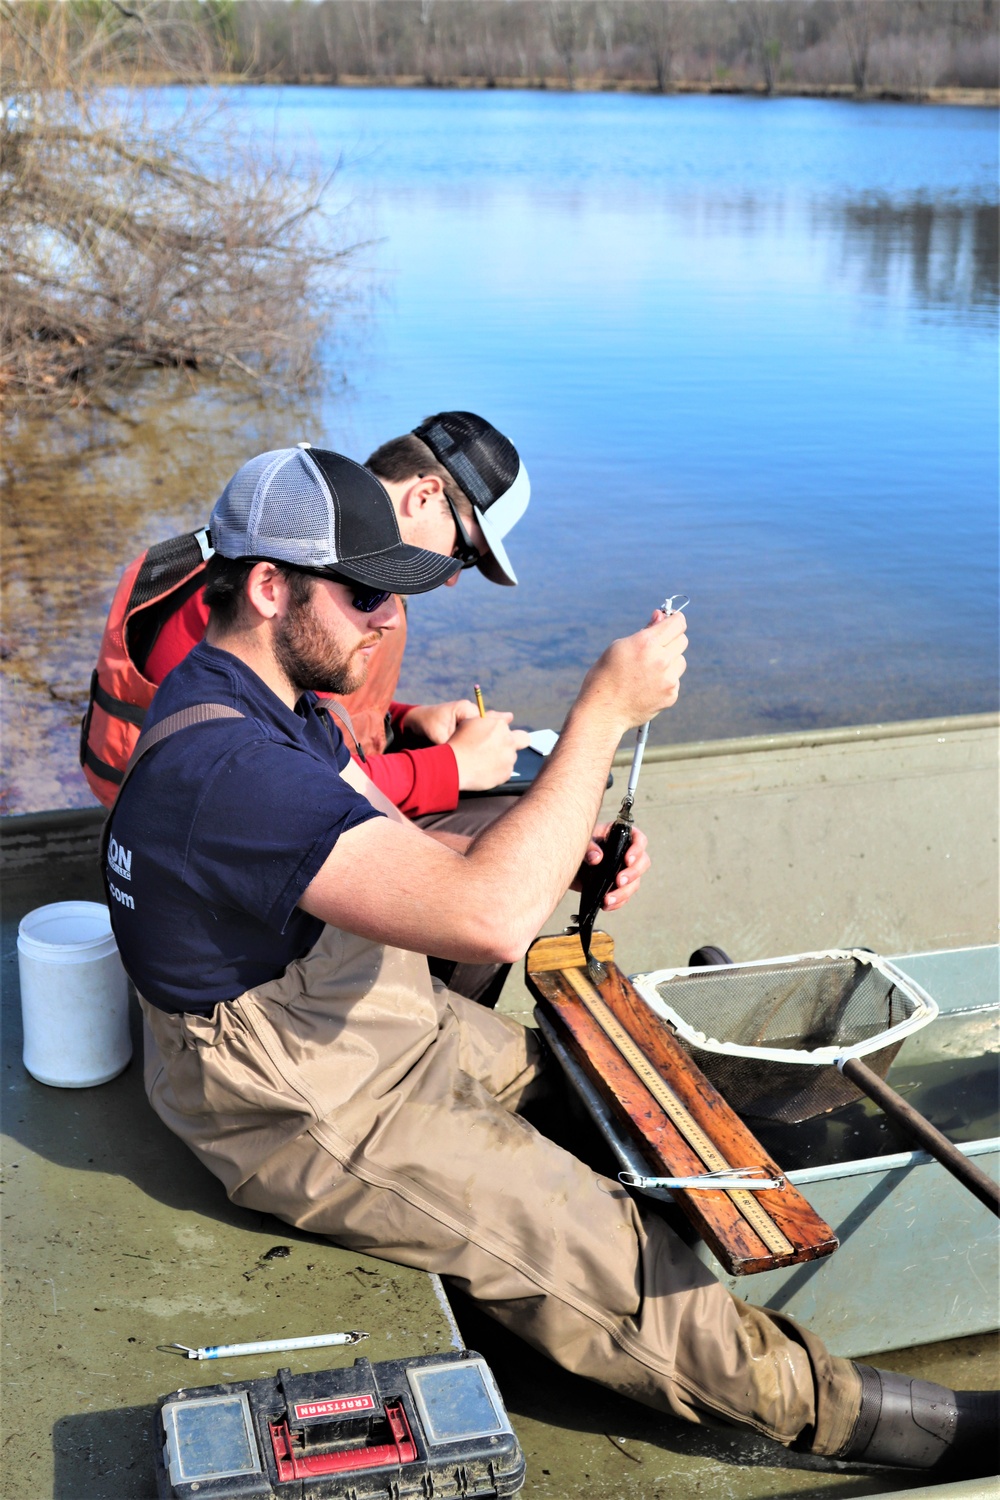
(430, 1426)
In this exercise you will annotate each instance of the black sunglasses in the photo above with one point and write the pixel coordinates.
(463, 550)
(363, 599)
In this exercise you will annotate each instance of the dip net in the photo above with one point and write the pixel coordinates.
(769, 1035)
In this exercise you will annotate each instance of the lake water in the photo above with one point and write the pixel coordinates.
(747, 349)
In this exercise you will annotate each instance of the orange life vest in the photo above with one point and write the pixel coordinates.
(151, 588)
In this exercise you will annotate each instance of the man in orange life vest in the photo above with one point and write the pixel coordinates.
(457, 486)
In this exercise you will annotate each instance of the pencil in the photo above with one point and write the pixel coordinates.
(479, 700)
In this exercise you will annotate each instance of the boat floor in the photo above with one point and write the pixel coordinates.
(116, 1241)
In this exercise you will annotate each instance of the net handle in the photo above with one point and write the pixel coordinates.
(923, 1132)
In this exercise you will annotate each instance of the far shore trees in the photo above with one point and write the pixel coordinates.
(897, 47)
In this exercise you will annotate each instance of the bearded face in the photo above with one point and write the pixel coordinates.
(310, 655)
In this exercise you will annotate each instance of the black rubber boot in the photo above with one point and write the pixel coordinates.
(915, 1424)
(708, 957)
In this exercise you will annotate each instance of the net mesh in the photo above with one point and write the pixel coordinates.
(275, 505)
(492, 456)
(165, 566)
(293, 508)
(233, 508)
(794, 1006)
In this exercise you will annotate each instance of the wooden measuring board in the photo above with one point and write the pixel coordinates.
(679, 1120)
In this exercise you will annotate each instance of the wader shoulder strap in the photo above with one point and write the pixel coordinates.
(197, 713)
(340, 712)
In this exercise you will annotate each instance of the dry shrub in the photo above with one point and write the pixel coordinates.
(134, 233)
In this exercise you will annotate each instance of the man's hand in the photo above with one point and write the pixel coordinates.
(627, 883)
(486, 749)
(638, 675)
(486, 905)
(437, 722)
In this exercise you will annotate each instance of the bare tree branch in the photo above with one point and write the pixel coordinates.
(119, 248)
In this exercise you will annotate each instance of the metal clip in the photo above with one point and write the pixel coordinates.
(751, 1179)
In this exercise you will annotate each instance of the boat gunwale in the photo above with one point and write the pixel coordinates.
(899, 1161)
(805, 739)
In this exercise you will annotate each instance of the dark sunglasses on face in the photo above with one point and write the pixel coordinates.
(363, 599)
(463, 550)
(366, 600)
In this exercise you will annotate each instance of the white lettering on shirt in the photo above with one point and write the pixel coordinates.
(122, 897)
(120, 859)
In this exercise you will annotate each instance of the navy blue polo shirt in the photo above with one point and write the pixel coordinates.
(218, 832)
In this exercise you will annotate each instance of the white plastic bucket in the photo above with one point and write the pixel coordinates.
(74, 995)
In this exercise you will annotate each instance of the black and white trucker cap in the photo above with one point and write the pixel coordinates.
(484, 464)
(320, 510)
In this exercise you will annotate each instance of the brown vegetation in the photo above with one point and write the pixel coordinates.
(128, 241)
(897, 47)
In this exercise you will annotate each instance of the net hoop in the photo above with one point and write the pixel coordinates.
(924, 1011)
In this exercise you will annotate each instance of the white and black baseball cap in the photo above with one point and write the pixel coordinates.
(486, 467)
(319, 510)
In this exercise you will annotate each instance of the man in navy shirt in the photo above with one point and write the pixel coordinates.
(274, 910)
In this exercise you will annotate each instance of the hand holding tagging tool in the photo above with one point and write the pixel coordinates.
(599, 879)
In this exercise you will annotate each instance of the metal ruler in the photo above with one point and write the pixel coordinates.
(676, 1112)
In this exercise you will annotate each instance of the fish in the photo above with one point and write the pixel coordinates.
(599, 879)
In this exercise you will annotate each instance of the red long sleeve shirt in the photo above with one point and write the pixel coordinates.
(417, 781)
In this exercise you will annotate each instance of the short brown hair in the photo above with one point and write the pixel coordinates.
(408, 457)
(226, 583)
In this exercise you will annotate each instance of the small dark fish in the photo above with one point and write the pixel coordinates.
(277, 1252)
(599, 879)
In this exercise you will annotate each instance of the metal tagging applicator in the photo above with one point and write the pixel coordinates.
(599, 879)
(264, 1346)
(751, 1179)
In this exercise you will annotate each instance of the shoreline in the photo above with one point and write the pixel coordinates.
(978, 98)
